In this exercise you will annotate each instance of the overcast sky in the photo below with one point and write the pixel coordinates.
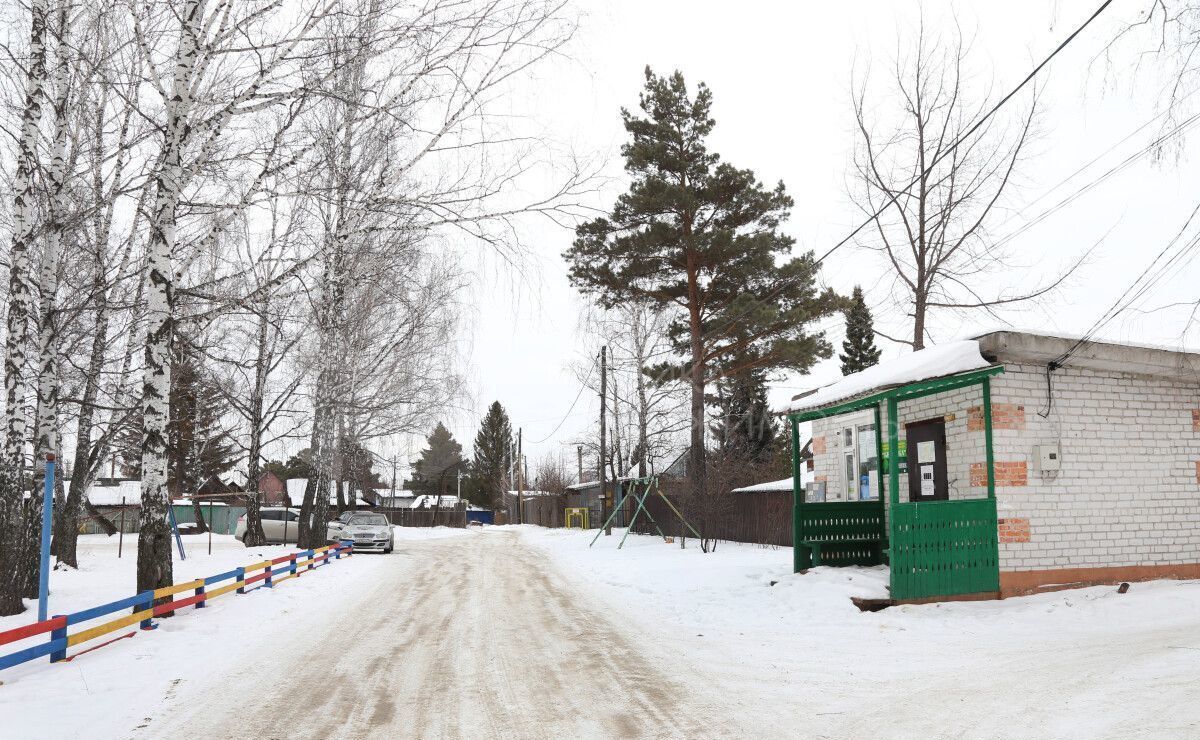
(781, 76)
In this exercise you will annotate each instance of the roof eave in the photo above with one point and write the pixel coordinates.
(915, 389)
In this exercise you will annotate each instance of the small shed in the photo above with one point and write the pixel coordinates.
(1006, 464)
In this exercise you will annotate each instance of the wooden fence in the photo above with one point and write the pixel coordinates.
(447, 516)
(763, 518)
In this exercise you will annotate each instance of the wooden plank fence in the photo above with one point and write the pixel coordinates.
(447, 516)
(763, 518)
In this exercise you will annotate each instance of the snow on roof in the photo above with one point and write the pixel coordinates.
(784, 484)
(100, 495)
(295, 488)
(295, 492)
(428, 501)
(932, 362)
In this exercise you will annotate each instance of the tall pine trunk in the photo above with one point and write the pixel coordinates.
(697, 474)
(20, 304)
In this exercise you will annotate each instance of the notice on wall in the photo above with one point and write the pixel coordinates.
(926, 452)
(927, 486)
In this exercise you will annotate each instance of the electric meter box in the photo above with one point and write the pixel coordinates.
(1047, 458)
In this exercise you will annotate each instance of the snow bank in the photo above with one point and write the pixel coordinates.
(931, 362)
(792, 653)
(106, 693)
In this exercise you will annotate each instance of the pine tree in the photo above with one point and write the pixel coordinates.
(700, 236)
(199, 448)
(746, 430)
(858, 350)
(493, 446)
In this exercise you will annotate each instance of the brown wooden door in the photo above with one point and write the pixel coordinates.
(927, 460)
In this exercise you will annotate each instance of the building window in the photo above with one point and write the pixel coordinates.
(867, 478)
(850, 477)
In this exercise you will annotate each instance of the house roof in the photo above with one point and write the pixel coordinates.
(295, 492)
(784, 484)
(1036, 348)
(100, 495)
(429, 501)
(1003, 347)
(932, 362)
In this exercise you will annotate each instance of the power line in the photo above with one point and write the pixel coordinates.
(958, 141)
(582, 387)
(963, 137)
(1139, 287)
(1090, 185)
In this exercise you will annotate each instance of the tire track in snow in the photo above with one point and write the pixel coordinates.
(470, 636)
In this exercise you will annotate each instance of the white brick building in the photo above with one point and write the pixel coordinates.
(1096, 458)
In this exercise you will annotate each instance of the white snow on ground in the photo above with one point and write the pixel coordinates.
(107, 692)
(431, 533)
(800, 660)
(780, 655)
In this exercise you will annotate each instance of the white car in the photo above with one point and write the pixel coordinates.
(279, 525)
(369, 531)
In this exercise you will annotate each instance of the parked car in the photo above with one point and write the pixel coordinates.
(368, 530)
(279, 525)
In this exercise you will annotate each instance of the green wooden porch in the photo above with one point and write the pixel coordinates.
(933, 548)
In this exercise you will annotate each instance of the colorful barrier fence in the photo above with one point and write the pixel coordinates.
(265, 574)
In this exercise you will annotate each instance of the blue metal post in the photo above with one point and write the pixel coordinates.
(175, 529)
(47, 513)
(58, 634)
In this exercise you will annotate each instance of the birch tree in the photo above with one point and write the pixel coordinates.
(231, 60)
(45, 436)
(20, 308)
(404, 151)
(935, 199)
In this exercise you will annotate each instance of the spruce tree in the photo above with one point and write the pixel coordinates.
(439, 463)
(699, 236)
(746, 430)
(493, 446)
(858, 350)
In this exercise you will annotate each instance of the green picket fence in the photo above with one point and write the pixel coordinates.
(942, 548)
(842, 532)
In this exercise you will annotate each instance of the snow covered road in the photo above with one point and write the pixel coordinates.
(523, 632)
(474, 636)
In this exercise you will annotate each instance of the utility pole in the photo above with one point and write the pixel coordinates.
(604, 507)
(520, 482)
(579, 454)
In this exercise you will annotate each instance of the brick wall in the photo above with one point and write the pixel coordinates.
(1127, 492)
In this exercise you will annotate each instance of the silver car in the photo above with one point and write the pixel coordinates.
(370, 532)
